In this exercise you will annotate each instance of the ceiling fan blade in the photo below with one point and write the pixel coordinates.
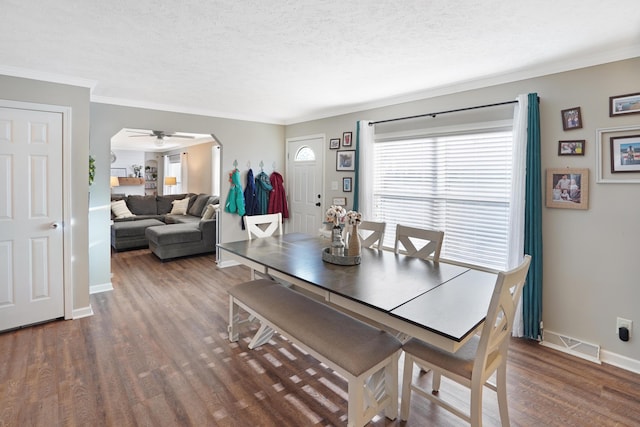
(179, 136)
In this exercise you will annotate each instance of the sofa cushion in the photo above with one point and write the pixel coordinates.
(120, 209)
(142, 205)
(174, 233)
(133, 228)
(209, 211)
(180, 206)
(213, 200)
(197, 207)
(164, 202)
(181, 219)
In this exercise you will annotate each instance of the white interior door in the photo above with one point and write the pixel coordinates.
(305, 166)
(31, 202)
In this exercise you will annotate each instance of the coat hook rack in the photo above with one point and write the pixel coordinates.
(235, 163)
(261, 165)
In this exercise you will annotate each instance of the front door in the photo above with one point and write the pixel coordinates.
(31, 201)
(305, 166)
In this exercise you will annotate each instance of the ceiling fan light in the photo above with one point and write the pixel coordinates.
(159, 142)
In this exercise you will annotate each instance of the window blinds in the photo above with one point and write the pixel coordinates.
(458, 183)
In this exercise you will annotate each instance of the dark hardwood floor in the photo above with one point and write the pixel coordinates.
(155, 353)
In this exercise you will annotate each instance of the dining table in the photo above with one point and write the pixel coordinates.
(439, 302)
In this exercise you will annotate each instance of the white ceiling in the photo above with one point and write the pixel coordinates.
(288, 61)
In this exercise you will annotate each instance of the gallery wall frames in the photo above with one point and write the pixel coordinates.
(567, 188)
(613, 155)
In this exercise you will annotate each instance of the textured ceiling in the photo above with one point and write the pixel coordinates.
(292, 60)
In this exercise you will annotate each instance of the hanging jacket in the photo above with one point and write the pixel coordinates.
(263, 189)
(235, 198)
(278, 199)
(250, 195)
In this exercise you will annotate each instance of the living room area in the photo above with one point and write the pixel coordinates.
(164, 192)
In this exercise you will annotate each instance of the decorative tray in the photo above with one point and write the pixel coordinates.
(340, 260)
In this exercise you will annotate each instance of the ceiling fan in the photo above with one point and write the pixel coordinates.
(159, 136)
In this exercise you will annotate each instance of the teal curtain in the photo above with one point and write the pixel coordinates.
(532, 292)
(356, 179)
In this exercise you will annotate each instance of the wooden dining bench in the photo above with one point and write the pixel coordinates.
(367, 357)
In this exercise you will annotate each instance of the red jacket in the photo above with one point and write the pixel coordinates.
(278, 198)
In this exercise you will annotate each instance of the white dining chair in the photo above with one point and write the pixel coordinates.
(371, 234)
(477, 360)
(429, 241)
(260, 226)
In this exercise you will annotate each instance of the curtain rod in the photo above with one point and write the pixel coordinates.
(444, 112)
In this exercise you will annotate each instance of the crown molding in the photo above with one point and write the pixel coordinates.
(47, 77)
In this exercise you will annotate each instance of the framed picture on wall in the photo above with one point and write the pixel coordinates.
(346, 184)
(334, 143)
(567, 188)
(346, 139)
(624, 104)
(119, 172)
(571, 148)
(571, 118)
(346, 160)
(625, 154)
(339, 201)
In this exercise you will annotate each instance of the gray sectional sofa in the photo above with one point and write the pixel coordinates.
(167, 235)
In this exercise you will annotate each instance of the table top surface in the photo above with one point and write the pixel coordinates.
(444, 298)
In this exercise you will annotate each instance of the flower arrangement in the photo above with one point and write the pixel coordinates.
(335, 215)
(136, 170)
(353, 217)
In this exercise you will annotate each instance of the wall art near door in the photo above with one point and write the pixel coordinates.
(567, 188)
(346, 184)
(346, 160)
(346, 139)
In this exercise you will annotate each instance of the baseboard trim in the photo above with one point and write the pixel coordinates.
(620, 361)
(79, 313)
(104, 287)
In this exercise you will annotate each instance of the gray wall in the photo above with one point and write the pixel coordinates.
(587, 277)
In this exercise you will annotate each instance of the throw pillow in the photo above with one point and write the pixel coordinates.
(209, 211)
(180, 206)
(120, 209)
(197, 207)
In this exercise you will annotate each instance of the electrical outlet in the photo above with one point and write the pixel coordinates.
(620, 322)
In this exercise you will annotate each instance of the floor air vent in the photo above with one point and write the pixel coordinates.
(572, 346)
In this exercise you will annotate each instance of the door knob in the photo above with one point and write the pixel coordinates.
(54, 225)
(318, 204)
